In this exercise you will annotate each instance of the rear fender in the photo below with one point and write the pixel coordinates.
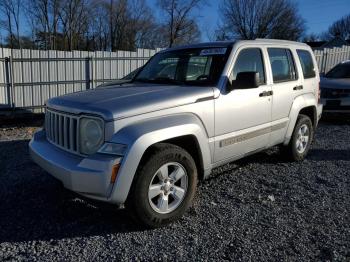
(299, 103)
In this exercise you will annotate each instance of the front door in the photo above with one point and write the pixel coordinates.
(243, 116)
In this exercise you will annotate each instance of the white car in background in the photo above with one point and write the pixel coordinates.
(335, 89)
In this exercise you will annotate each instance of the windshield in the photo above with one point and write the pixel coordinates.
(200, 66)
(340, 71)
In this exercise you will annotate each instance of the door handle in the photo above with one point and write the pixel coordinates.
(298, 87)
(266, 93)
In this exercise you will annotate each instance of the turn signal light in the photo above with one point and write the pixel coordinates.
(115, 170)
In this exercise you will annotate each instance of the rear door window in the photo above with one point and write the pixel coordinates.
(282, 65)
(307, 63)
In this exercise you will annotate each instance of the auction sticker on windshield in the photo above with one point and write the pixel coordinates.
(213, 51)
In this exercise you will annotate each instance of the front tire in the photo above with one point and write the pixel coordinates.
(163, 187)
(301, 139)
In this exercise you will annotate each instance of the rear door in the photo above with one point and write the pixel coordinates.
(286, 86)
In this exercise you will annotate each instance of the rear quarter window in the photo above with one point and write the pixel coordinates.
(307, 63)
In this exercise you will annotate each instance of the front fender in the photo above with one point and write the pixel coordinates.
(141, 135)
(299, 103)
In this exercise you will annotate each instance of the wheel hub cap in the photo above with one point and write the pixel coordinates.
(168, 188)
(302, 139)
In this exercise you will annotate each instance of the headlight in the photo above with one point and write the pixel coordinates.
(113, 149)
(91, 135)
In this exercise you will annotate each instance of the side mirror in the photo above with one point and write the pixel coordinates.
(245, 80)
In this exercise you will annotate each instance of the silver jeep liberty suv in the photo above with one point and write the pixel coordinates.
(146, 142)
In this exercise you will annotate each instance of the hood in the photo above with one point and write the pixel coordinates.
(127, 100)
(335, 83)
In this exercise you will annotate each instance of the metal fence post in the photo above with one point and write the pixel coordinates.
(87, 72)
(8, 76)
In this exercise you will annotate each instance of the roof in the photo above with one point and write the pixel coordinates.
(231, 43)
(265, 41)
(203, 45)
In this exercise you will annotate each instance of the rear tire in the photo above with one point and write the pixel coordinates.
(301, 140)
(163, 187)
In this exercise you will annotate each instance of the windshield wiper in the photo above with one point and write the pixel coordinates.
(168, 80)
(162, 80)
(143, 80)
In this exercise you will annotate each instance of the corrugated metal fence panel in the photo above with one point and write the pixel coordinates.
(37, 75)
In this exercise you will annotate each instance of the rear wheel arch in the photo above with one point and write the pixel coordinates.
(302, 105)
(311, 112)
(301, 139)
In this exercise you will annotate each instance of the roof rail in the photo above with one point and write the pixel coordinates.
(279, 41)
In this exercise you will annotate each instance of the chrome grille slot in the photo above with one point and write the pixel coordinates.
(62, 130)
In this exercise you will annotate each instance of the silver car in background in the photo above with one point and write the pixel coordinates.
(335, 89)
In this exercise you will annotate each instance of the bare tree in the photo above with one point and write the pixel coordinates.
(250, 19)
(341, 28)
(118, 17)
(74, 16)
(180, 24)
(10, 9)
(312, 37)
(43, 17)
(98, 24)
(143, 25)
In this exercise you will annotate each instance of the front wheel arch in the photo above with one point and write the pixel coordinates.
(190, 144)
(138, 203)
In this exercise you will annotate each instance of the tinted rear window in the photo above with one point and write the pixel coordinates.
(306, 63)
(282, 65)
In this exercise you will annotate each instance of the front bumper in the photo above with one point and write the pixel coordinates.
(89, 176)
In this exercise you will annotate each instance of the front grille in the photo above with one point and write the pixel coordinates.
(62, 130)
(334, 93)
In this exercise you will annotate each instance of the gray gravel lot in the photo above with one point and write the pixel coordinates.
(259, 208)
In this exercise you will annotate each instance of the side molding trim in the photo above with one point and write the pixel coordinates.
(237, 139)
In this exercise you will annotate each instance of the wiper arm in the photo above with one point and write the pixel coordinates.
(143, 80)
(159, 80)
(168, 80)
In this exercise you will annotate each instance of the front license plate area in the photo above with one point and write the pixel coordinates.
(333, 103)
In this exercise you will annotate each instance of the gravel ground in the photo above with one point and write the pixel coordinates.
(259, 208)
